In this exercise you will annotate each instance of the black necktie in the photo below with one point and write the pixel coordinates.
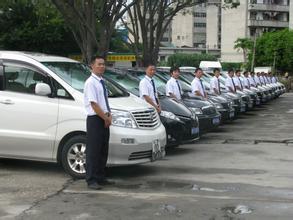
(248, 83)
(233, 84)
(105, 94)
(178, 86)
(240, 83)
(154, 88)
(202, 86)
(219, 87)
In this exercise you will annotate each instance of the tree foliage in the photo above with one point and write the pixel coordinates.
(34, 26)
(181, 59)
(92, 22)
(275, 47)
(246, 45)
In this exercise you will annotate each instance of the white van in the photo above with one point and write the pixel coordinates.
(209, 66)
(42, 116)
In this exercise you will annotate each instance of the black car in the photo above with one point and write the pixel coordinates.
(181, 124)
(208, 116)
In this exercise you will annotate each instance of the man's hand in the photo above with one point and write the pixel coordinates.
(158, 108)
(108, 121)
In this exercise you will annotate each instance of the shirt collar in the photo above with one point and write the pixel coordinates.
(96, 77)
(148, 78)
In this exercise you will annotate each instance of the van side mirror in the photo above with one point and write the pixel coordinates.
(42, 89)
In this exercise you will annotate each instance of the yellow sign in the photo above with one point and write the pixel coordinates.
(117, 57)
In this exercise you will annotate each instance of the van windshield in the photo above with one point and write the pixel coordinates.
(75, 74)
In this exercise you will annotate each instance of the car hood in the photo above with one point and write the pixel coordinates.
(170, 105)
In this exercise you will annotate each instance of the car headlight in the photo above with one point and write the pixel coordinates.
(218, 105)
(196, 111)
(169, 115)
(123, 119)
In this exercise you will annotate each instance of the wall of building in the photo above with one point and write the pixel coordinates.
(182, 29)
(234, 26)
(291, 16)
(212, 29)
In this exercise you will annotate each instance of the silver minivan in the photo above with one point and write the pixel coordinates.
(42, 116)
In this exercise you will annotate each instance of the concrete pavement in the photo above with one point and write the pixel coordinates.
(241, 171)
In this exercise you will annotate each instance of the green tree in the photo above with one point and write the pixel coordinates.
(34, 26)
(275, 48)
(246, 45)
(92, 22)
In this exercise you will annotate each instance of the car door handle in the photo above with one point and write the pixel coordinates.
(7, 102)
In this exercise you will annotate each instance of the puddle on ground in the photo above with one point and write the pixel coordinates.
(238, 210)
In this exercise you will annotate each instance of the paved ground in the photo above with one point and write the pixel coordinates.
(241, 171)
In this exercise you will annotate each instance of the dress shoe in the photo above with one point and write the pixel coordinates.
(94, 186)
(106, 182)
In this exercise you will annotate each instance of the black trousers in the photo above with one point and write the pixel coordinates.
(97, 147)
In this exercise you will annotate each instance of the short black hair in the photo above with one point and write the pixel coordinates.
(149, 64)
(238, 71)
(216, 69)
(94, 57)
(197, 69)
(230, 70)
(245, 72)
(174, 68)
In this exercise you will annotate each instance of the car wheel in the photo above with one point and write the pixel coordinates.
(74, 157)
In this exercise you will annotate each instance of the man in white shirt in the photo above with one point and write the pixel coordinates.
(252, 79)
(246, 81)
(197, 87)
(262, 79)
(257, 79)
(147, 88)
(215, 87)
(237, 81)
(229, 82)
(98, 122)
(173, 87)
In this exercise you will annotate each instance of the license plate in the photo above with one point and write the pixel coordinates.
(232, 114)
(157, 152)
(194, 130)
(216, 121)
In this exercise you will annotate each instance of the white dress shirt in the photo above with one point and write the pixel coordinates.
(94, 92)
(229, 83)
(274, 79)
(146, 88)
(173, 86)
(214, 84)
(237, 82)
(257, 80)
(252, 81)
(261, 79)
(246, 82)
(196, 85)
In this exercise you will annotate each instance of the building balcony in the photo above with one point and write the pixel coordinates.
(268, 23)
(268, 7)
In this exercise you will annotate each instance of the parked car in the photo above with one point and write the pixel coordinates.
(181, 124)
(42, 116)
(208, 116)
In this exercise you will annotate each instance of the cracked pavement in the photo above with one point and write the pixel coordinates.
(243, 170)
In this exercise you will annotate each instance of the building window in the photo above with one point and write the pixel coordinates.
(200, 25)
(165, 39)
(178, 37)
(200, 14)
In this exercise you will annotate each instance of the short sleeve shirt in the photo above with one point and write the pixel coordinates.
(146, 88)
(229, 84)
(197, 86)
(173, 87)
(238, 82)
(214, 84)
(94, 92)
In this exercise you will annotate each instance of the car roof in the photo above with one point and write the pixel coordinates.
(40, 57)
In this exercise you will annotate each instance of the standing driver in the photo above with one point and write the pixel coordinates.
(97, 124)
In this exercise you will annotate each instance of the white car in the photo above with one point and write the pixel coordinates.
(42, 116)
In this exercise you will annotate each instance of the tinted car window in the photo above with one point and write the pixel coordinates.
(22, 79)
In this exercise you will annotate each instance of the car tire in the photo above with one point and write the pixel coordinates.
(73, 156)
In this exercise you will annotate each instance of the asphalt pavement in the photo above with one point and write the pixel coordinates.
(243, 170)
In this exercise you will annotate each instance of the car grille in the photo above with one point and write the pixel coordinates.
(146, 119)
(209, 110)
(226, 105)
(140, 155)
